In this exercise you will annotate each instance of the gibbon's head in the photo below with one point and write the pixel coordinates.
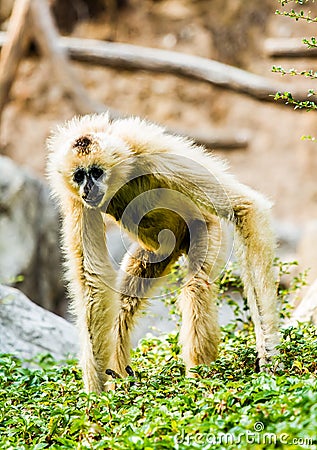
(86, 158)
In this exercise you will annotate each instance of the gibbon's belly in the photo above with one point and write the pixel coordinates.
(151, 214)
(163, 231)
(159, 230)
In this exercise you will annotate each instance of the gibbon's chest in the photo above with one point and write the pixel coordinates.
(150, 212)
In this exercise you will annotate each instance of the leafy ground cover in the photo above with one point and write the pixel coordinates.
(227, 406)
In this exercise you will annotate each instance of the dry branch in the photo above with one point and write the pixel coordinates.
(132, 57)
(288, 47)
(13, 48)
(36, 16)
(47, 38)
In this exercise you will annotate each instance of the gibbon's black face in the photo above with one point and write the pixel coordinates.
(89, 181)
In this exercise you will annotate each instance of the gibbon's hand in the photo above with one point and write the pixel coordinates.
(115, 375)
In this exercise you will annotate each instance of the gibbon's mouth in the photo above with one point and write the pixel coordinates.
(93, 201)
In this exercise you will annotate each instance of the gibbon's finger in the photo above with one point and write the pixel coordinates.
(112, 373)
(129, 371)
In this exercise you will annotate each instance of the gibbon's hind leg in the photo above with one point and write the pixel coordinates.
(255, 248)
(200, 333)
(141, 275)
(250, 214)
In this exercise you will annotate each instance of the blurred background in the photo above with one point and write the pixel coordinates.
(265, 148)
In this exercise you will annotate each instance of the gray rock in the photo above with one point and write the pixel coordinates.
(29, 237)
(26, 329)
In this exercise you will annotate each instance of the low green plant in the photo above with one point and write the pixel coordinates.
(227, 405)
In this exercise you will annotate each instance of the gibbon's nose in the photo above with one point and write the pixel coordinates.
(92, 197)
(89, 186)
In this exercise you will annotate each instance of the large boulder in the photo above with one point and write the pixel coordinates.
(29, 237)
(26, 329)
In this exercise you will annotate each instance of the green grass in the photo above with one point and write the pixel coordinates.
(227, 406)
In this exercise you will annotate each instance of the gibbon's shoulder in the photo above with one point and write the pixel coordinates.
(145, 138)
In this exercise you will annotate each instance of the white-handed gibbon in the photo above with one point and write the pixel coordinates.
(171, 196)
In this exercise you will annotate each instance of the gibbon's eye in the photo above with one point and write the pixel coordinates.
(96, 172)
(79, 176)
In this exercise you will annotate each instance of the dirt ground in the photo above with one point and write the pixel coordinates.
(277, 162)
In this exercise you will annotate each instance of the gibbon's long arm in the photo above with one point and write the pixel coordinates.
(152, 182)
(95, 303)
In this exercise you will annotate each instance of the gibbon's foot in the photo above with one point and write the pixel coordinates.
(263, 364)
(130, 372)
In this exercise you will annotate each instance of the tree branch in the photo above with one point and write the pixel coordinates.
(132, 57)
(288, 47)
(14, 46)
(46, 36)
(222, 141)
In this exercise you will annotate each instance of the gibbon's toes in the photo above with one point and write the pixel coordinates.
(130, 372)
(114, 374)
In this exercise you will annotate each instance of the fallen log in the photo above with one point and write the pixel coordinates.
(45, 35)
(133, 57)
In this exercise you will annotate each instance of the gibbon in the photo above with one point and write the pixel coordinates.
(171, 196)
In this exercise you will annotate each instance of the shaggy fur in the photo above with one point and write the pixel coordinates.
(170, 196)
